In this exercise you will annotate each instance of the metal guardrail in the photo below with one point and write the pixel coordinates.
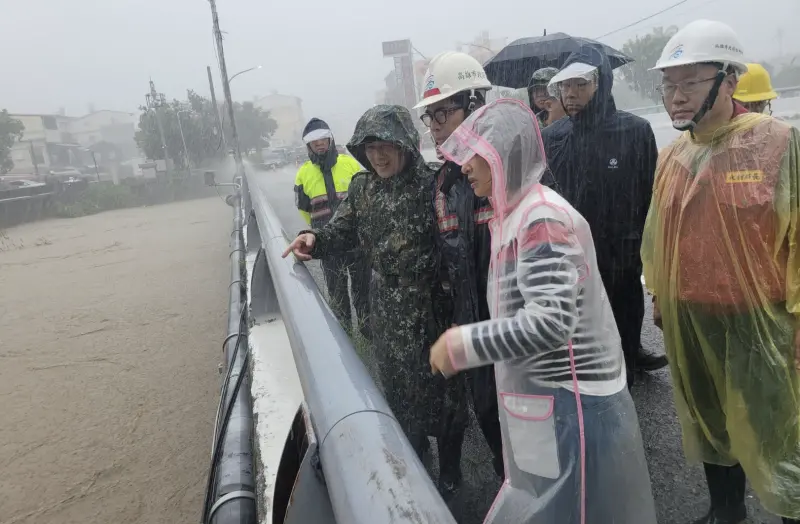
(358, 454)
(23, 204)
(230, 491)
(659, 108)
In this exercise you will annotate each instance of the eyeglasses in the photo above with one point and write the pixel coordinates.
(687, 87)
(440, 115)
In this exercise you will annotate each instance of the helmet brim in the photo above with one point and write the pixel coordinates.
(433, 99)
(740, 67)
(425, 102)
(757, 97)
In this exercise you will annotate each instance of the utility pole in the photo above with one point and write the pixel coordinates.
(183, 139)
(156, 101)
(216, 109)
(33, 158)
(237, 152)
(96, 170)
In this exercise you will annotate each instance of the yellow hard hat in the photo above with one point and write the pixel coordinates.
(755, 85)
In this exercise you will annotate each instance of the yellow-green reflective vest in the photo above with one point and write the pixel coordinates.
(311, 194)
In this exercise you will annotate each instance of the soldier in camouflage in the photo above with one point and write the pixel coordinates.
(388, 214)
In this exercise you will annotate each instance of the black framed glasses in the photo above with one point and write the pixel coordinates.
(440, 115)
(687, 87)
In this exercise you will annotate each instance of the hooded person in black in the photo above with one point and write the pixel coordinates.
(603, 162)
(320, 186)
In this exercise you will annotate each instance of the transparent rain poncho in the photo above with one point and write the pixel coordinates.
(573, 451)
(720, 254)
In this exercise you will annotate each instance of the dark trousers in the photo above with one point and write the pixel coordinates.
(336, 270)
(626, 295)
(726, 488)
(482, 390)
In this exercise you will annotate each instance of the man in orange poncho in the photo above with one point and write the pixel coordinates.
(722, 259)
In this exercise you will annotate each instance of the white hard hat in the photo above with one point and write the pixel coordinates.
(700, 42)
(450, 73)
(574, 70)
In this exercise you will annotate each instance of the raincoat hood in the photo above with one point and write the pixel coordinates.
(317, 129)
(602, 103)
(506, 134)
(387, 123)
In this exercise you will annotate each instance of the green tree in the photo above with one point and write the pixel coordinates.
(203, 140)
(11, 131)
(254, 126)
(645, 51)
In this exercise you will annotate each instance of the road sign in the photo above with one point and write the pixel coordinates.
(397, 48)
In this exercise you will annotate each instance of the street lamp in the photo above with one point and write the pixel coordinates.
(180, 127)
(478, 45)
(242, 72)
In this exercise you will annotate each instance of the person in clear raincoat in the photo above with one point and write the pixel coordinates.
(572, 446)
(721, 253)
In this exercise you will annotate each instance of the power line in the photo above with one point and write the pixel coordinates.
(694, 9)
(673, 6)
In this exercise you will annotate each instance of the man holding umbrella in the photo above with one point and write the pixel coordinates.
(603, 162)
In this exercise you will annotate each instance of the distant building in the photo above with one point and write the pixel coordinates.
(287, 111)
(46, 144)
(483, 48)
(114, 127)
(54, 141)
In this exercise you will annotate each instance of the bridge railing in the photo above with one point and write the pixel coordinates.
(790, 92)
(354, 455)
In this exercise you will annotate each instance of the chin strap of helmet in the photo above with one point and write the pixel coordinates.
(473, 102)
(690, 125)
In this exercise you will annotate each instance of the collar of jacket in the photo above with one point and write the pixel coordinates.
(452, 172)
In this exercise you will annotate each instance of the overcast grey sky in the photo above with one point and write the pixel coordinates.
(74, 52)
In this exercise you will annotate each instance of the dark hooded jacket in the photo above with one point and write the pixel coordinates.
(603, 162)
(463, 243)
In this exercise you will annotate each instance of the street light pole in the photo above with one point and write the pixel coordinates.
(180, 127)
(216, 110)
(226, 87)
(156, 101)
(242, 72)
(230, 80)
(478, 45)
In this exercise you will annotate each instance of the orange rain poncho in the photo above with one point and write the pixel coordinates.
(721, 256)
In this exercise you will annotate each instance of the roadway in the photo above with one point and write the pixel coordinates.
(679, 489)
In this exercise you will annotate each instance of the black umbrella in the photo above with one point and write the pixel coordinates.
(516, 62)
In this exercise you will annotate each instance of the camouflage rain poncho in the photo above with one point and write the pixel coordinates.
(392, 221)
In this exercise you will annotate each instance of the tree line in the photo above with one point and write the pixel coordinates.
(200, 130)
(646, 50)
(204, 140)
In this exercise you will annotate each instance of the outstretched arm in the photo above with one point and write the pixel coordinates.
(340, 234)
(547, 282)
